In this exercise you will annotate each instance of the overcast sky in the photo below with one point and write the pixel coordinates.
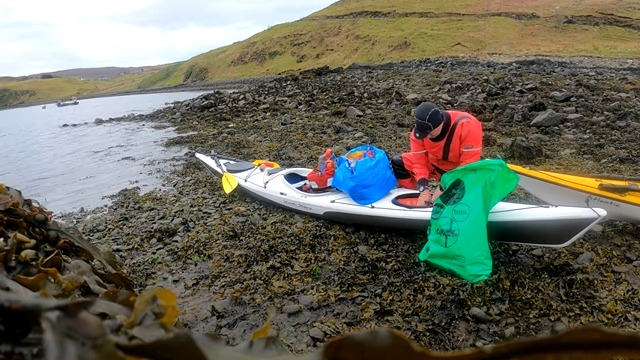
(39, 36)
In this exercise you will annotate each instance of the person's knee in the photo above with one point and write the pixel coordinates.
(399, 170)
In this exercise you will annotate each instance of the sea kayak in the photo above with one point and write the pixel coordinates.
(538, 225)
(618, 195)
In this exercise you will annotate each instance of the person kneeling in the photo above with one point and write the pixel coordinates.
(441, 140)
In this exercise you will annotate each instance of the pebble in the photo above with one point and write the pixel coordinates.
(584, 258)
(305, 300)
(222, 306)
(509, 332)
(559, 326)
(292, 309)
(316, 334)
(538, 252)
(620, 269)
(478, 314)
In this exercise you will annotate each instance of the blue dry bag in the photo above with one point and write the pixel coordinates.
(365, 174)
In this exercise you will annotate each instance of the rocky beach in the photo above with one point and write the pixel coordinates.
(229, 259)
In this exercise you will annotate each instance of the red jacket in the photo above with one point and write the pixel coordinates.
(459, 143)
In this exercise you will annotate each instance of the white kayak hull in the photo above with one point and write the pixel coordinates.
(550, 226)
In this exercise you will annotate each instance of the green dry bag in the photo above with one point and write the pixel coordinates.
(457, 237)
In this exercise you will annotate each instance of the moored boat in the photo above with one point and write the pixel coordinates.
(617, 194)
(549, 226)
(73, 101)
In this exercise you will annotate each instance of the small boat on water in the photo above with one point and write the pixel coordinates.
(73, 101)
(617, 194)
(538, 225)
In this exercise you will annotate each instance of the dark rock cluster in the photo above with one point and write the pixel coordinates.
(230, 258)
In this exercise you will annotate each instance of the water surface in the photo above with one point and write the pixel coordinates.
(60, 157)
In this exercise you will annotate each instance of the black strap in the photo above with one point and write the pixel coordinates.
(438, 170)
(452, 130)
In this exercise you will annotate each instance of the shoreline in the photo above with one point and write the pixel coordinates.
(221, 85)
(236, 84)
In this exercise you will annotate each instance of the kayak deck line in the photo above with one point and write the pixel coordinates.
(528, 224)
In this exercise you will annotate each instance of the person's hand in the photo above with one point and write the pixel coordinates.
(436, 195)
(424, 199)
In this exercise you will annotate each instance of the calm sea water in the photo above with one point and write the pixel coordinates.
(67, 168)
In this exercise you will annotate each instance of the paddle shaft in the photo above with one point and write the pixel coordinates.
(619, 188)
(616, 177)
(229, 182)
(217, 161)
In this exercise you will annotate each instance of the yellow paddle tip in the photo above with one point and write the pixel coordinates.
(229, 183)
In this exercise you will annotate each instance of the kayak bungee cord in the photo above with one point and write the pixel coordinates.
(532, 206)
(589, 206)
(246, 178)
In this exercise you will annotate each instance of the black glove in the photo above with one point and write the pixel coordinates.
(423, 184)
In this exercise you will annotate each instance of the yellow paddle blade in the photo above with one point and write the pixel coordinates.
(229, 182)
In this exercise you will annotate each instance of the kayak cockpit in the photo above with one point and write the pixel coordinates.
(408, 201)
(297, 180)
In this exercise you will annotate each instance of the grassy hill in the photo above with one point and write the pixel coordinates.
(373, 31)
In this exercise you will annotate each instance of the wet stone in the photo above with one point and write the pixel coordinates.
(584, 258)
(538, 252)
(574, 117)
(620, 269)
(292, 309)
(509, 332)
(316, 334)
(222, 306)
(301, 318)
(305, 300)
(478, 314)
(363, 249)
(559, 327)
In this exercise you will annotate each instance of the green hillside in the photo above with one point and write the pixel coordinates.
(373, 31)
(28, 90)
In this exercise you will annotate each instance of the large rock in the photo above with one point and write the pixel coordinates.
(547, 118)
(522, 149)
